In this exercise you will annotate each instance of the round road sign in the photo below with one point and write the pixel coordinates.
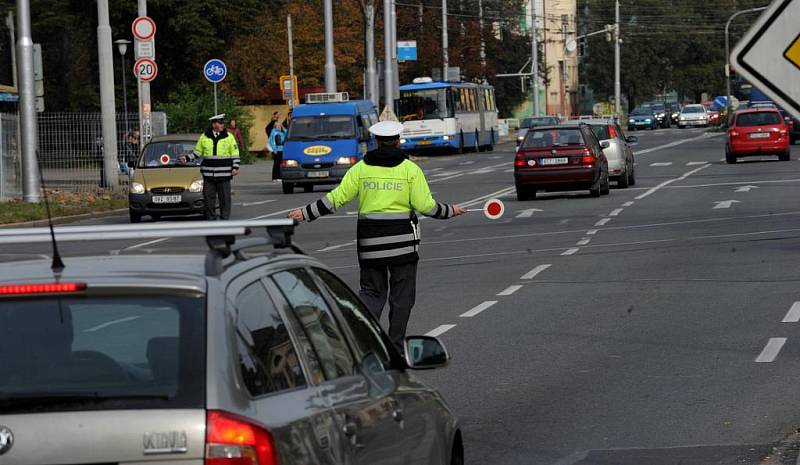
(145, 69)
(215, 70)
(494, 209)
(143, 28)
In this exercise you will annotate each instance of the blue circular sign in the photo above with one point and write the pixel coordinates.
(215, 70)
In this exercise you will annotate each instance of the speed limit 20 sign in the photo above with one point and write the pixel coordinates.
(145, 69)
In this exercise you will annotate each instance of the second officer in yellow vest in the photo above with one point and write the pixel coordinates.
(390, 189)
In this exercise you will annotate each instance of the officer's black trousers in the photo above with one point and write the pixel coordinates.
(213, 189)
(399, 283)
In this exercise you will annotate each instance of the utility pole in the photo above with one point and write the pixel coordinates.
(617, 91)
(388, 69)
(728, 55)
(27, 106)
(291, 60)
(371, 74)
(445, 59)
(330, 66)
(11, 33)
(483, 43)
(395, 65)
(105, 57)
(534, 59)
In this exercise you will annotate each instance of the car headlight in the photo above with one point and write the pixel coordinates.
(682, 118)
(403, 141)
(446, 137)
(289, 164)
(346, 160)
(648, 120)
(137, 188)
(661, 115)
(196, 186)
(631, 121)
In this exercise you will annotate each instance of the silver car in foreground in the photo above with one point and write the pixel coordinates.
(621, 161)
(693, 115)
(249, 355)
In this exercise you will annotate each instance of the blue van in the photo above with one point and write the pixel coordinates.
(328, 135)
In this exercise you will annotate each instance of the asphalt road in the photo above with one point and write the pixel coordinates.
(656, 325)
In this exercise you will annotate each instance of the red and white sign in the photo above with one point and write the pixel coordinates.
(143, 28)
(145, 69)
(494, 209)
(165, 159)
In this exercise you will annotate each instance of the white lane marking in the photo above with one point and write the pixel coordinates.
(445, 179)
(583, 241)
(446, 173)
(508, 170)
(351, 213)
(482, 171)
(724, 204)
(145, 244)
(695, 163)
(261, 202)
(569, 251)
(655, 189)
(777, 181)
(747, 188)
(532, 274)
(334, 247)
(496, 157)
(602, 222)
(591, 232)
(466, 163)
(510, 289)
(268, 215)
(431, 170)
(721, 159)
(677, 142)
(477, 309)
(528, 212)
(111, 323)
(480, 199)
(666, 163)
(771, 350)
(756, 233)
(793, 315)
(628, 204)
(615, 212)
(439, 330)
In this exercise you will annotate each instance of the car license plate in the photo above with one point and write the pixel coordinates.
(759, 135)
(318, 174)
(166, 199)
(554, 161)
(424, 142)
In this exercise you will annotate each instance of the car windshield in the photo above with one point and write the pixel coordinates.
(538, 121)
(761, 118)
(642, 111)
(658, 107)
(555, 137)
(168, 154)
(124, 352)
(322, 127)
(694, 109)
(422, 104)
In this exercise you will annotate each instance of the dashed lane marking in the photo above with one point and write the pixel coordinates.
(615, 212)
(591, 232)
(510, 290)
(439, 330)
(583, 241)
(771, 350)
(628, 204)
(532, 274)
(655, 189)
(661, 163)
(478, 309)
(570, 251)
(793, 316)
(695, 163)
(602, 222)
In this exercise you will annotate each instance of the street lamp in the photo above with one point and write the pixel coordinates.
(728, 56)
(122, 47)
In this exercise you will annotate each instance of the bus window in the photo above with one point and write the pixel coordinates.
(422, 104)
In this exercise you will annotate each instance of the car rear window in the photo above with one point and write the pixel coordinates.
(543, 138)
(601, 131)
(101, 353)
(697, 109)
(760, 118)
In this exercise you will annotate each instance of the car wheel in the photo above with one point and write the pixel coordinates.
(785, 156)
(461, 148)
(624, 180)
(729, 157)
(490, 147)
(457, 456)
(308, 188)
(478, 147)
(632, 178)
(680, 126)
(594, 191)
(135, 217)
(792, 140)
(288, 188)
(606, 186)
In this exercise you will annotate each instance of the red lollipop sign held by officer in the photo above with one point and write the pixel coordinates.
(493, 209)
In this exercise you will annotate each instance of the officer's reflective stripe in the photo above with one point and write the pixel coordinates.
(328, 204)
(215, 168)
(369, 241)
(441, 211)
(385, 216)
(314, 209)
(386, 253)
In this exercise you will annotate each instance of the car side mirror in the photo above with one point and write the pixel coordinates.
(605, 144)
(425, 353)
(631, 139)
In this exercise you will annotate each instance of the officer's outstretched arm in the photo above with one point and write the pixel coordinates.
(346, 191)
(422, 200)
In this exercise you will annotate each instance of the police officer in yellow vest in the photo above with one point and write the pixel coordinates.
(390, 189)
(220, 154)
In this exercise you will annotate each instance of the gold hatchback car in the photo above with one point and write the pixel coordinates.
(164, 183)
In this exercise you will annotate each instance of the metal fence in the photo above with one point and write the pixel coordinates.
(71, 150)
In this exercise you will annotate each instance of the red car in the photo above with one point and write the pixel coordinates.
(761, 131)
(561, 158)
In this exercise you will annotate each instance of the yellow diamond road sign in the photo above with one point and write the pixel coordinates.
(768, 56)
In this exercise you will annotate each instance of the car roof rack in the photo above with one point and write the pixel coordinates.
(220, 235)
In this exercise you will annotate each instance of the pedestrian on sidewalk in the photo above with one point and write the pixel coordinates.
(220, 154)
(268, 131)
(237, 134)
(390, 189)
(276, 140)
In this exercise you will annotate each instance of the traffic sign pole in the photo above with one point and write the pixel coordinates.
(216, 112)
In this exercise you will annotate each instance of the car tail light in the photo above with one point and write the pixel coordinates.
(231, 440)
(519, 159)
(612, 133)
(42, 288)
(588, 157)
(783, 132)
(734, 133)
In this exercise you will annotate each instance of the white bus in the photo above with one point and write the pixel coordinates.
(447, 115)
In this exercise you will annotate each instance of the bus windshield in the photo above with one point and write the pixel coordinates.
(322, 127)
(422, 104)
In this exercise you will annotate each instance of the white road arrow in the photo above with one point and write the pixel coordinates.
(745, 188)
(528, 213)
(725, 204)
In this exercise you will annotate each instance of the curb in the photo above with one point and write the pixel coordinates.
(65, 219)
